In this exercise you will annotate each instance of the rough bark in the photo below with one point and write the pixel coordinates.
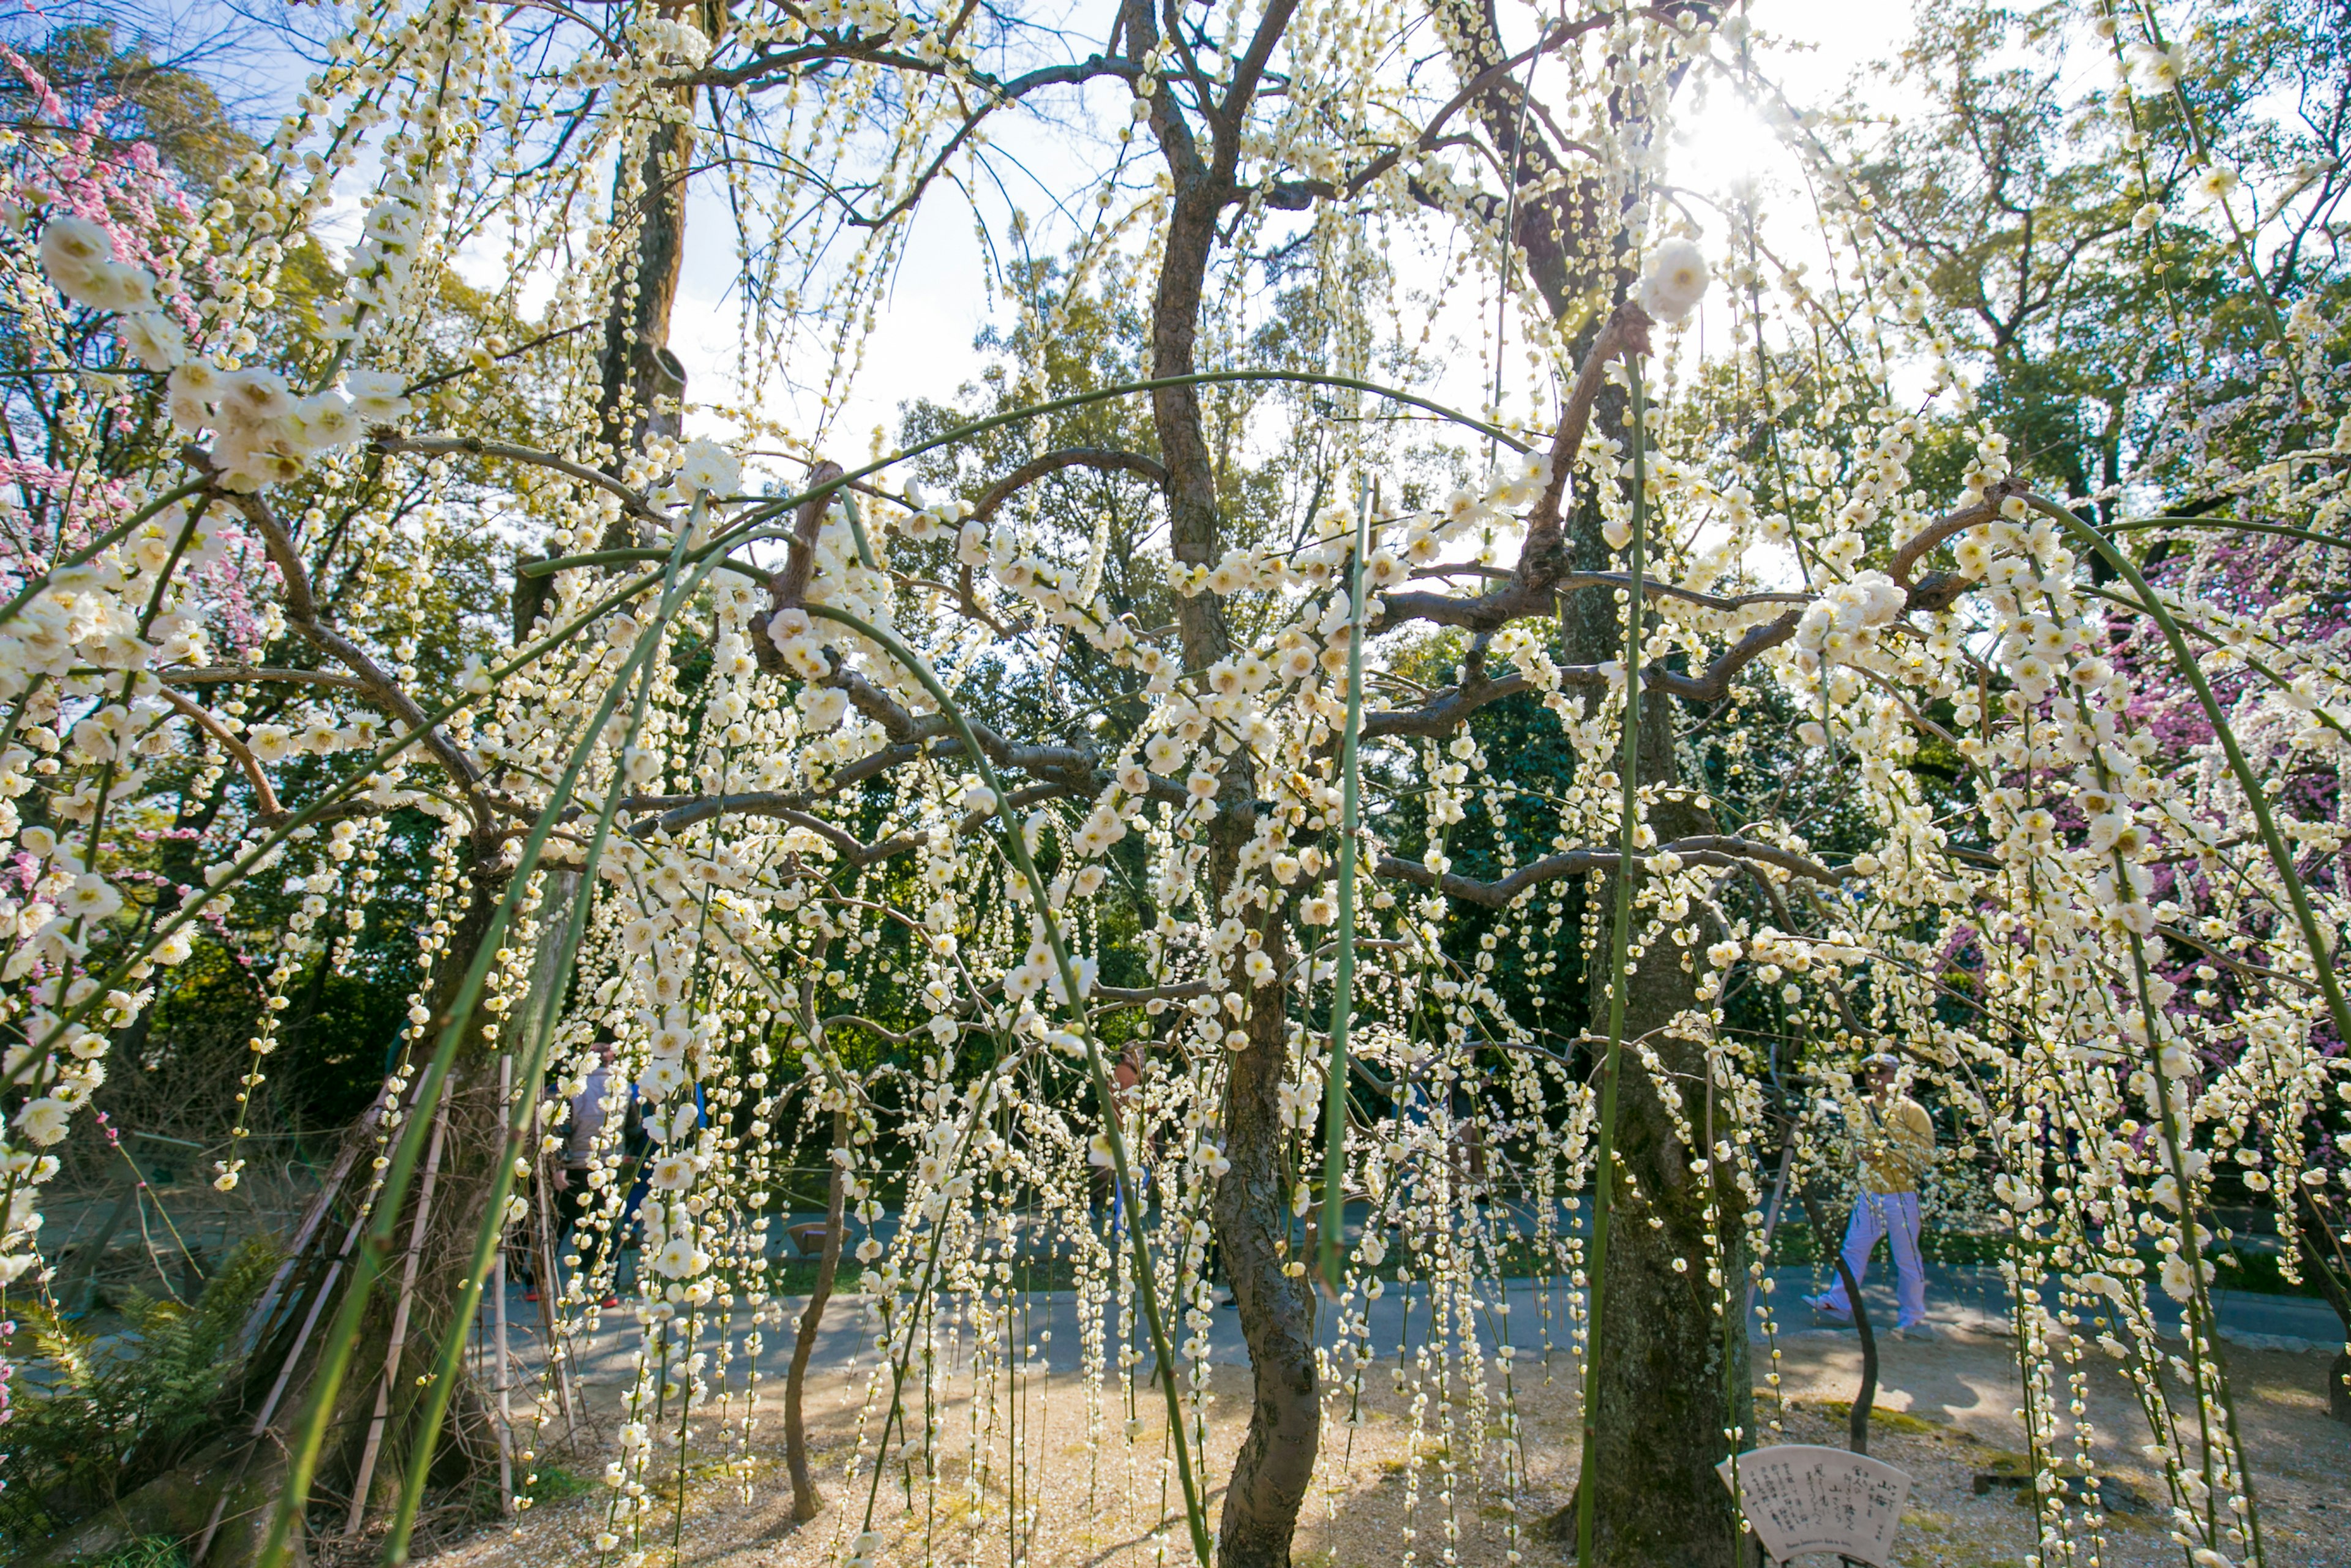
(638, 367)
(468, 1167)
(1277, 1310)
(806, 1502)
(222, 1483)
(643, 381)
(1670, 1368)
(1252, 1201)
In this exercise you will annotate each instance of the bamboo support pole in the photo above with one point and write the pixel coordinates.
(503, 1382)
(374, 1448)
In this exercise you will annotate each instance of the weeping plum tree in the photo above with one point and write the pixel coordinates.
(784, 798)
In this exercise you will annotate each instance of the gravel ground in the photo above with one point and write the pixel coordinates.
(1946, 1415)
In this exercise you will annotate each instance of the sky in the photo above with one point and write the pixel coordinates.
(922, 345)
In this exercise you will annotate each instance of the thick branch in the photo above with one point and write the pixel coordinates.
(1715, 850)
(218, 674)
(631, 502)
(1543, 563)
(1714, 683)
(1449, 708)
(1103, 457)
(301, 611)
(789, 587)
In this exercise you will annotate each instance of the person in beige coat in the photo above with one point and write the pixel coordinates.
(1896, 1147)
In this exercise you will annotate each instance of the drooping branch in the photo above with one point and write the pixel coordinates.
(1297, 195)
(1108, 459)
(632, 502)
(1712, 848)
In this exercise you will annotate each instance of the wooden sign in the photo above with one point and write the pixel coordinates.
(1802, 1499)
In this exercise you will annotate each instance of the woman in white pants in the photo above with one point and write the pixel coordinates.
(1897, 1144)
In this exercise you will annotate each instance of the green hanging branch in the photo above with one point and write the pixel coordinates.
(1620, 949)
(1342, 965)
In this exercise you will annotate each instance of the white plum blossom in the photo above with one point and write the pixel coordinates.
(1675, 281)
(710, 469)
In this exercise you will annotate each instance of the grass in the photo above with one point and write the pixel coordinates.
(555, 1484)
(1892, 1420)
(147, 1551)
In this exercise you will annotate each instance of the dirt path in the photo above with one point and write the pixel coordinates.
(1947, 1414)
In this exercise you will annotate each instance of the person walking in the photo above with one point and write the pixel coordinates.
(1898, 1146)
(574, 1197)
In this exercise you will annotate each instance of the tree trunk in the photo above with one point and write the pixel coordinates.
(461, 1188)
(1252, 1201)
(246, 1474)
(806, 1502)
(1669, 1371)
(1277, 1309)
(643, 382)
(649, 190)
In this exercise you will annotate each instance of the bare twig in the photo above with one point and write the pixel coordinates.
(234, 747)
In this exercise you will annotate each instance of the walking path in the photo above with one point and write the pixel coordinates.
(1964, 1297)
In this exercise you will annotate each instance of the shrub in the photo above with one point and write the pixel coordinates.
(102, 1415)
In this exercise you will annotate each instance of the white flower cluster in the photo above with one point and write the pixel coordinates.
(1675, 281)
(383, 260)
(266, 435)
(78, 255)
(1833, 624)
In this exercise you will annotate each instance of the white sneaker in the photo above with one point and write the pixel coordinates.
(1919, 1329)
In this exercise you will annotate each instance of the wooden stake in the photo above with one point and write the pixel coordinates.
(498, 1317)
(257, 1323)
(399, 1320)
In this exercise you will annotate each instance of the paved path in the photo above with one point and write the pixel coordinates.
(1967, 1297)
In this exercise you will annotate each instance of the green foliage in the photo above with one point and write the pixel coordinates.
(147, 1551)
(98, 1417)
(553, 1483)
